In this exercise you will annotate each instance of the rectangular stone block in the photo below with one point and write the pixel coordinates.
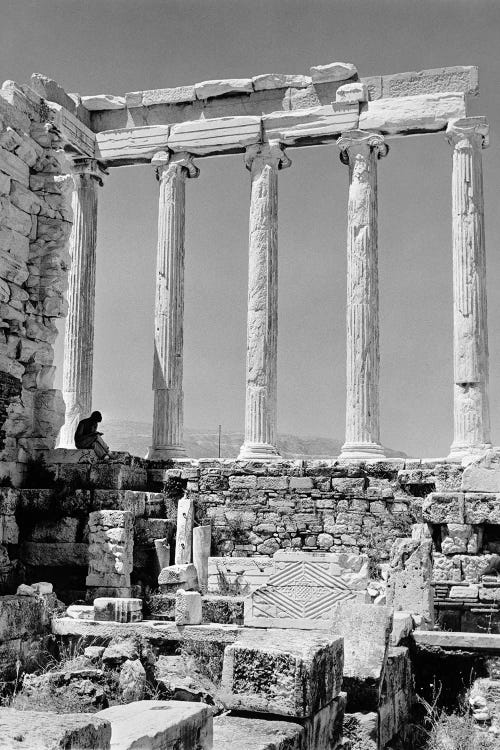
(22, 616)
(470, 591)
(110, 609)
(257, 734)
(444, 507)
(482, 507)
(188, 608)
(46, 730)
(409, 585)
(159, 724)
(457, 78)
(425, 114)
(178, 576)
(293, 673)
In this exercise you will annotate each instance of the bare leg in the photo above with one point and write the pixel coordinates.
(100, 448)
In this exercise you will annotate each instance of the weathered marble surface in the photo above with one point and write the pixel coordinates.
(360, 151)
(262, 318)
(155, 724)
(44, 730)
(293, 676)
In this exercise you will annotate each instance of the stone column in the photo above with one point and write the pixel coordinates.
(360, 151)
(172, 171)
(469, 136)
(79, 334)
(263, 162)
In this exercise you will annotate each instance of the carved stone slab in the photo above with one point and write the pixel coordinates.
(216, 136)
(305, 588)
(238, 575)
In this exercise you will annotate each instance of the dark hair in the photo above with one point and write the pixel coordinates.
(96, 416)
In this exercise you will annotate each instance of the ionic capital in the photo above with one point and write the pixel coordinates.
(164, 161)
(465, 129)
(84, 167)
(361, 142)
(272, 153)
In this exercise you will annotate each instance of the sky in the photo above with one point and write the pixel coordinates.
(115, 46)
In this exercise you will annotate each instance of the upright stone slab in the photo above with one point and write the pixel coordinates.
(304, 589)
(295, 673)
(160, 724)
(366, 630)
(202, 537)
(410, 576)
(483, 474)
(187, 607)
(111, 550)
(184, 533)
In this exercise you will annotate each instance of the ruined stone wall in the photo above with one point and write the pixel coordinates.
(35, 224)
(258, 508)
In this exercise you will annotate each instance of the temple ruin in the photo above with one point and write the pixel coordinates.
(269, 603)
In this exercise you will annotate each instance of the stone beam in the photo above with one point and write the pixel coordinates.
(77, 136)
(218, 136)
(131, 145)
(307, 127)
(267, 93)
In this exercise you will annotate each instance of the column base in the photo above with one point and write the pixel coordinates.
(458, 451)
(362, 450)
(258, 452)
(166, 452)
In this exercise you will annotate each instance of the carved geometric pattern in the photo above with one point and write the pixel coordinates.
(306, 572)
(313, 603)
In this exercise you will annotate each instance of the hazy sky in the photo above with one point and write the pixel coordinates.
(114, 46)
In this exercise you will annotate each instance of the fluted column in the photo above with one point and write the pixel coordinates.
(172, 171)
(79, 334)
(263, 161)
(468, 136)
(360, 150)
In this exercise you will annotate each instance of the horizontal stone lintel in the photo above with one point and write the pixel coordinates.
(397, 117)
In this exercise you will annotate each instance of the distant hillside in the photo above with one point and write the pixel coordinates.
(135, 437)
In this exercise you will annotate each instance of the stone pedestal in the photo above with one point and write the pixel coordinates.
(263, 161)
(79, 335)
(172, 172)
(360, 151)
(469, 136)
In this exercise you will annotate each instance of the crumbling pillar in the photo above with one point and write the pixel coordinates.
(468, 136)
(79, 335)
(172, 171)
(263, 161)
(360, 151)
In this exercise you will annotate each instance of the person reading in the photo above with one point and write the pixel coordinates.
(87, 436)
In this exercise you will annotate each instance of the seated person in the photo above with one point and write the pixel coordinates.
(86, 435)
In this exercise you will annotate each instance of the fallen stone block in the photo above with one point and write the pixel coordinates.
(257, 734)
(46, 730)
(24, 616)
(366, 630)
(132, 680)
(83, 688)
(291, 674)
(120, 651)
(336, 71)
(214, 608)
(187, 608)
(160, 724)
(178, 576)
(118, 609)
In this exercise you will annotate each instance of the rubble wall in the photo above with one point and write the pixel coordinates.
(35, 225)
(362, 507)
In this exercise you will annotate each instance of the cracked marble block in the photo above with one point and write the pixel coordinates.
(304, 589)
(292, 673)
(117, 609)
(187, 608)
